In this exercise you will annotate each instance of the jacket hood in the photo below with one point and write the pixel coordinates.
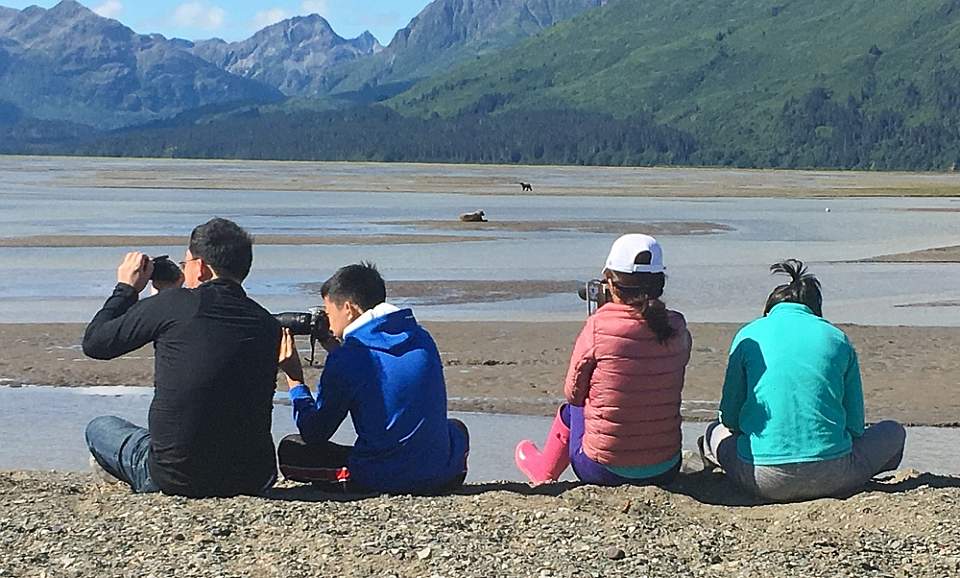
(389, 332)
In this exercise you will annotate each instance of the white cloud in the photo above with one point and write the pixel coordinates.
(321, 7)
(109, 9)
(265, 18)
(199, 15)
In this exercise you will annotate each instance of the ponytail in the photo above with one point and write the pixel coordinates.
(803, 288)
(642, 291)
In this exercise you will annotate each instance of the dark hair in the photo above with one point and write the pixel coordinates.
(361, 284)
(643, 291)
(165, 270)
(224, 246)
(803, 288)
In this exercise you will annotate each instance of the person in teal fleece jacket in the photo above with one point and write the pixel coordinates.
(384, 370)
(791, 421)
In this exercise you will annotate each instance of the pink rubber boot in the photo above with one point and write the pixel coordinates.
(548, 465)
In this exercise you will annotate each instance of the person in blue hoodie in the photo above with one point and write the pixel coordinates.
(384, 370)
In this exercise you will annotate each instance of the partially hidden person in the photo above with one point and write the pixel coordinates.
(384, 370)
(209, 425)
(791, 424)
(621, 423)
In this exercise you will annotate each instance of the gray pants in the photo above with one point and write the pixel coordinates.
(879, 450)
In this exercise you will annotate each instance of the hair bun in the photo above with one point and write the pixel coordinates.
(794, 268)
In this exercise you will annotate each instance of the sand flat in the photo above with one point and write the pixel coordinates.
(477, 179)
(81, 241)
(673, 228)
(440, 292)
(934, 255)
(910, 373)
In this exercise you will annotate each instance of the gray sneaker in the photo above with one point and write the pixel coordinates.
(101, 475)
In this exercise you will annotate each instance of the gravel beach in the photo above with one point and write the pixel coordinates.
(66, 525)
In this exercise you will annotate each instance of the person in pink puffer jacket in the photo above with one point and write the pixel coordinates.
(621, 424)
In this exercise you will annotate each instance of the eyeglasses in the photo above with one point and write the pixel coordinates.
(184, 263)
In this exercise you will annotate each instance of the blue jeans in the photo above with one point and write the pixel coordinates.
(123, 450)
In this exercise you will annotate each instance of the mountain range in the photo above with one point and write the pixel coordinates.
(448, 32)
(293, 55)
(753, 80)
(69, 64)
(752, 83)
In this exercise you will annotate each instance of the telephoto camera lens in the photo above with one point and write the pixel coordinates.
(297, 323)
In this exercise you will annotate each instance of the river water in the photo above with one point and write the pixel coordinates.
(712, 278)
(720, 277)
(63, 414)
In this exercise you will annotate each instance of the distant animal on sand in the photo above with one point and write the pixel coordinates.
(474, 217)
(526, 187)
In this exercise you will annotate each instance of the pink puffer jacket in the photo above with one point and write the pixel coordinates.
(629, 385)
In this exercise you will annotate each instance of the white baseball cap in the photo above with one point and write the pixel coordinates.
(623, 255)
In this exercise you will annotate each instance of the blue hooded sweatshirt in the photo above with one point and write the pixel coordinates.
(389, 377)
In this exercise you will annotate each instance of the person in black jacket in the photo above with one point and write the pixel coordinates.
(209, 430)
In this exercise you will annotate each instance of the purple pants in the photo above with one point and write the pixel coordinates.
(592, 472)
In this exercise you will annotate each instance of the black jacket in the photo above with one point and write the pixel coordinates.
(216, 366)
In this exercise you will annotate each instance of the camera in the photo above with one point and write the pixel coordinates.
(165, 270)
(314, 324)
(596, 293)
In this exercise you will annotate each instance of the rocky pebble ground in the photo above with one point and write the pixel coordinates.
(54, 524)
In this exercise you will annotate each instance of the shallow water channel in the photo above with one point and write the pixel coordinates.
(41, 428)
(719, 277)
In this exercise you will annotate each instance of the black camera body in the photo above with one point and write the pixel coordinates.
(314, 324)
(596, 293)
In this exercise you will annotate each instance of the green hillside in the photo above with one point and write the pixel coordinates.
(756, 82)
(446, 33)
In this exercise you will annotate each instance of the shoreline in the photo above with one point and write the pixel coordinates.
(910, 373)
(484, 180)
(104, 241)
(947, 254)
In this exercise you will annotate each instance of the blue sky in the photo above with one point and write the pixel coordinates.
(238, 19)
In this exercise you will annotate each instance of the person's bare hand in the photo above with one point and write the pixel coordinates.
(135, 270)
(330, 343)
(289, 360)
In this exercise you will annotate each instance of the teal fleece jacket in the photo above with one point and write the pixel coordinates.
(792, 389)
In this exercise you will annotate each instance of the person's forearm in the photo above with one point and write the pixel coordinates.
(730, 420)
(315, 424)
(731, 404)
(856, 421)
(99, 341)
